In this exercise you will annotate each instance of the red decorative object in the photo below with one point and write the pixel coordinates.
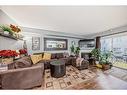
(8, 53)
(23, 51)
(15, 28)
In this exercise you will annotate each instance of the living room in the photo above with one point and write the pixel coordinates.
(63, 47)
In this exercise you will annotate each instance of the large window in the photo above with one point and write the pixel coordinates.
(118, 45)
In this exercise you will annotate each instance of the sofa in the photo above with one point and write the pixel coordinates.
(56, 56)
(22, 74)
(70, 60)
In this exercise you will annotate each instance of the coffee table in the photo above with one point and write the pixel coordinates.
(58, 68)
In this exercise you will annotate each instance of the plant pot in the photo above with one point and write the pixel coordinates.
(6, 33)
(6, 60)
(106, 66)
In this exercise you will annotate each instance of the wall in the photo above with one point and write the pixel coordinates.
(5, 19)
(30, 32)
(6, 43)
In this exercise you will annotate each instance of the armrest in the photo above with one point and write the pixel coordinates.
(21, 69)
(22, 78)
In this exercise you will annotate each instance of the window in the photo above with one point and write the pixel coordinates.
(118, 45)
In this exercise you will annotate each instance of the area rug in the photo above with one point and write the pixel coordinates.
(73, 77)
(118, 72)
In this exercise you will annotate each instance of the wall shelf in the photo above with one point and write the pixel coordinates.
(10, 36)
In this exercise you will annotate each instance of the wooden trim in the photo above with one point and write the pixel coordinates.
(98, 43)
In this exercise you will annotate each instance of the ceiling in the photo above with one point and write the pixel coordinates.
(79, 20)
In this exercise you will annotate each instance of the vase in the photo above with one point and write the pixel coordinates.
(6, 60)
(6, 32)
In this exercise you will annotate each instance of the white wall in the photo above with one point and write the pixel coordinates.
(29, 33)
(6, 43)
(5, 19)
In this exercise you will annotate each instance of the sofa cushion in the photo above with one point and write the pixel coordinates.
(23, 62)
(53, 56)
(36, 58)
(65, 55)
(42, 53)
(47, 56)
(59, 55)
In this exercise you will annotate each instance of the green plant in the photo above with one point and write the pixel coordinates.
(72, 49)
(77, 50)
(96, 53)
(6, 28)
(104, 57)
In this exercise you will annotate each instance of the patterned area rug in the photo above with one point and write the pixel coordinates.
(117, 72)
(73, 77)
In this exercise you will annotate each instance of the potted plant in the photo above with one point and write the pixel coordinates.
(77, 50)
(104, 60)
(7, 56)
(72, 50)
(7, 30)
(95, 55)
(23, 52)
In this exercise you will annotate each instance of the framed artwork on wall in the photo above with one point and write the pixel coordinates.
(35, 43)
(55, 44)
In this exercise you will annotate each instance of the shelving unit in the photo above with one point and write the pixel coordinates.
(10, 36)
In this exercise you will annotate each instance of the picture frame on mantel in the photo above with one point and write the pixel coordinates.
(51, 44)
(35, 43)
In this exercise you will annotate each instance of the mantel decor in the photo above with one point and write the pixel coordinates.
(51, 44)
(11, 31)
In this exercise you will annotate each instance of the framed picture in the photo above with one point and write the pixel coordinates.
(35, 43)
(55, 44)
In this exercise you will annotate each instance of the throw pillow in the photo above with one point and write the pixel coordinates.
(36, 58)
(47, 56)
(23, 62)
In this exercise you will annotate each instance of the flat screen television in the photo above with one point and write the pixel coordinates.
(87, 43)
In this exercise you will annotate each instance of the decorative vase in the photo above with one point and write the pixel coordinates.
(6, 32)
(6, 60)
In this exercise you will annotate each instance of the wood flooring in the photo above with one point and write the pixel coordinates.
(104, 81)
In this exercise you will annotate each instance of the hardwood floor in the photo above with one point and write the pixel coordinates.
(102, 82)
